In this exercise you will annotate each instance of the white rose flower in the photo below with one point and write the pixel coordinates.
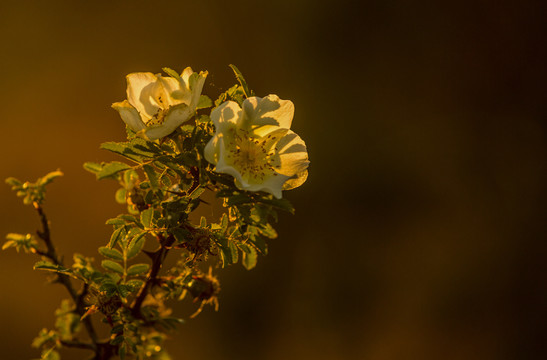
(256, 147)
(156, 105)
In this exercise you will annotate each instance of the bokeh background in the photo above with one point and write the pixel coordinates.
(420, 232)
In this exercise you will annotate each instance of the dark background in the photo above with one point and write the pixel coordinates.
(419, 234)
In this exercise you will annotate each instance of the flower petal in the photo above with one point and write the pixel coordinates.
(175, 94)
(272, 185)
(175, 116)
(212, 150)
(142, 88)
(296, 180)
(270, 110)
(185, 76)
(293, 156)
(223, 167)
(129, 115)
(226, 116)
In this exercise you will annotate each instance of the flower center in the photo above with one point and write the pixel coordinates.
(252, 156)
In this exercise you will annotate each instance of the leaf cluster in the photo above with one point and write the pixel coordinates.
(161, 184)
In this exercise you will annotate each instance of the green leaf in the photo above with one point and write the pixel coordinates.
(181, 235)
(13, 182)
(117, 340)
(281, 204)
(9, 244)
(67, 321)
(115, 221)
(250, 256)
(117, 329)
(268, 231)
(49, 266)
(171, 73)
(241, 80)
(136, 245)
(204, 102)
(138, 269)
(120, 196)
(93, 167)
(135, 284)
(112, 266)
(111, 253)
(152, 176)
(111, 169)
(43, 181)
(117, 235)
(238, 200)
(50, 354)
(146, 217)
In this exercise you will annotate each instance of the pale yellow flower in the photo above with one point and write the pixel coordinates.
(156, 105)
(256, 146)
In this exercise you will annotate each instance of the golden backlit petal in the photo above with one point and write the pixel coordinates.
(272, 185)
(176, 115)
(296, 180)
(270, 131)
(270, 110)
(141, 90)
(129, 115)
(226, 116)
(293, 155)
(198, 87)
(212, 150)
(185, 76)
(223, 167)
(175, 94)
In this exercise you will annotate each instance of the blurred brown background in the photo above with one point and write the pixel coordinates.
(419, 234)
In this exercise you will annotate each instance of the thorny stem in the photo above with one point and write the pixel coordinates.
(78, 299)
(157, 261)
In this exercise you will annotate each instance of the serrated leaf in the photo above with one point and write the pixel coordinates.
(152, 176)
(204, 102)
(49, 266)
(112, 266)
(268, 231)
(250, 256)
(93, 167)
(111, 169)
(281, 204)
(111, 253)
(138, 269)
(45, 180)
(117, 235)
(171, 73)
(115, 221)
(136, 245)
(241, 80)
(146, 217)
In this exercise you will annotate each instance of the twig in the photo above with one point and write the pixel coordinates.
(78, 344)
(51, 254)
(157, 261)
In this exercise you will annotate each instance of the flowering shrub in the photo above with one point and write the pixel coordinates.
(176, 150)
